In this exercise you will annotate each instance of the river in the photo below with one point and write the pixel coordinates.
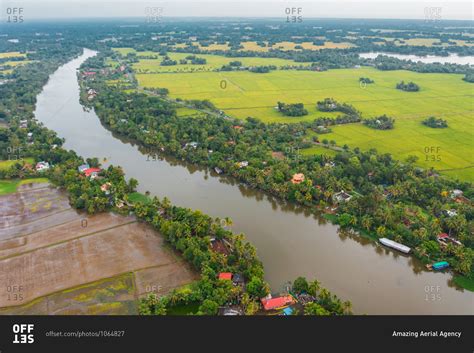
(429, 59)
(290, 240)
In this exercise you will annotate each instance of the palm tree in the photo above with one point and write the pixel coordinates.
(366, 222)
(347, 307)
(314, 287)
(228, 222)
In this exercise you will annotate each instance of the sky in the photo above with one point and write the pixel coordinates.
(386, 9)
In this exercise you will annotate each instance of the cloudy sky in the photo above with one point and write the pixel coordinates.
(406, 9)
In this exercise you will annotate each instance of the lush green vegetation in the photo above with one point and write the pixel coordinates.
(465, 282)
(391, 196)
(10, 186)
(320, 301)
(380, 122)
(436, 123)
(136, 197)
(414, 213)
(189, 232)
(245, 96)
(469, 78)
(262, 69)
(408, 87)
(366, 80)
(331, 105)
(295, 109)
(4, 165)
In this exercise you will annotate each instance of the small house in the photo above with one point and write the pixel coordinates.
(451, 213)
(298, 178)
(92, 172)
(225, 276)
(219, 246)
(444, 239)
(119, 204)
(341, 197)
(191, 144)
(83, 167)
(42, 166)
(276, 303)
(243, 164)
(105, 188)
(456, 193)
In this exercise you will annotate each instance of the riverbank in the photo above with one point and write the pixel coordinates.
(290, 240)
(308, 195)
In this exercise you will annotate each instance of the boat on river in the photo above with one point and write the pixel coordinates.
(394, 245)
(438, 266)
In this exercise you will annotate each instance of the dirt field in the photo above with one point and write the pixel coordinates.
(54, 260)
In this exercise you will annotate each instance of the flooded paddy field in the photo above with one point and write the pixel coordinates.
(76, 263)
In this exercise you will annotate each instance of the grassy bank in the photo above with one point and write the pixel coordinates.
(11, 186)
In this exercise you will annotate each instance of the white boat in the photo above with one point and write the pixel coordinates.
(393, 244)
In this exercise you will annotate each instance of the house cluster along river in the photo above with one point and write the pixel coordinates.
(290, 240)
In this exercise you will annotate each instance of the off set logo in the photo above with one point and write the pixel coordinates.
(23, 333)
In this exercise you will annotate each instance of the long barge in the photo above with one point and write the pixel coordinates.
(394, 245)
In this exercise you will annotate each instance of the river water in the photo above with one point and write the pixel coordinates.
(290, 240)
(429, 59)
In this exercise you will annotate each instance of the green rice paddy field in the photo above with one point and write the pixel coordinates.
(442, 95)
(212, 62)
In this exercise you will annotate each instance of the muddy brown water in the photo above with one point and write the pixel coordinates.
(290, 240)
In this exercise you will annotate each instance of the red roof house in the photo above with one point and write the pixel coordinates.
(91, 171)
(225, 275)
(275, 303)
(297, 178)
(443, 236)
